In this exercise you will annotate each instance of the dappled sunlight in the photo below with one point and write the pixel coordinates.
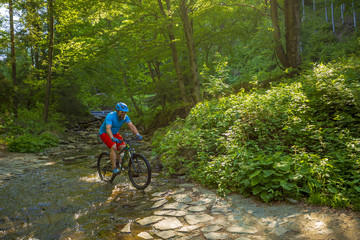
(94, 177)
(49, 163)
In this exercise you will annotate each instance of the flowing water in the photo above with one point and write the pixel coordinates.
(66, 199)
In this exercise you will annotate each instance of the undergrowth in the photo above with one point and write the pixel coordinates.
(298, 139)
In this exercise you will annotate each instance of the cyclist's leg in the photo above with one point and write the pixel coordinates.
(112, 146)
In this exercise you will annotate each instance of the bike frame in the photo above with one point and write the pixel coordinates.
(125, 150)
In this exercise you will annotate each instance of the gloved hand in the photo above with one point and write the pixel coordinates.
(114, 139)
(139, 137)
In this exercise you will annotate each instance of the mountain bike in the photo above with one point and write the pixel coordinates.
(139, 170)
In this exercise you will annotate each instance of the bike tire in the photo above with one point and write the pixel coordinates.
(140, 172)
(104, 167)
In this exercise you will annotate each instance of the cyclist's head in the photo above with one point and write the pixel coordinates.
(122, 107)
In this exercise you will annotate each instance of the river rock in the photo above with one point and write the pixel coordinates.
(212, 228)
(175, 206)
(215, 236)
(126, 229)
(149, 220)
(188, 228)
(197, 209)
(145, 235)
(168, 224)
(159, 203)
(182, 198)
(195, 219)
(170, 213)
(166, 234)
(242, 229)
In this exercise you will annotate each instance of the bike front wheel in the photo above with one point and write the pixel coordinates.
(139, 171)
(104, 167)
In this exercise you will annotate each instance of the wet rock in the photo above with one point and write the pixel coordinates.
(159, 203)
(212, 228)
(280, 231)
(188, 228)
(168, 223)
(182, 198)
(166, 234)
(220, 209)
(195, 219)
(171, 213)
(175, 206)
(215, 236)
(145, 235)
(149, 220)
(242, 229)
(197, 209)
(126, 229)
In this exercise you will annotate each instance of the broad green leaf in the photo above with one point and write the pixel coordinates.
(254, 174)
(268, 173)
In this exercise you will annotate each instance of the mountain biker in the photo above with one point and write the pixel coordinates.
(109, 132)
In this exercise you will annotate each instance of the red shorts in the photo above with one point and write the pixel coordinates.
(107, 140)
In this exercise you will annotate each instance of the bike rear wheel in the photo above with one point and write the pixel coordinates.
(139, 171)
(104, 167)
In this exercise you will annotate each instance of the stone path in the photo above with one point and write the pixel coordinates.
(193, 212)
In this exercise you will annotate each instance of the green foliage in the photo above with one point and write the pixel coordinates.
(28, 132)
(28, 143)
(296, 139)
(216, 84)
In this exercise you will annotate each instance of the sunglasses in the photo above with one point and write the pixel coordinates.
(122, 112)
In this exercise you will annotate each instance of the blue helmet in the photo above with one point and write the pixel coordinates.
(122, 107)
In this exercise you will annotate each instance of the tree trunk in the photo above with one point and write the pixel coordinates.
(280, 52)
(326, 16)
(13, 57)
(194, 76)
(50, 57)
(354, 14)
(174, 53)
(332, 16)
(292, 31)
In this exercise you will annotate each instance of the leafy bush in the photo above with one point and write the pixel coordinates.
(298, 139)
(28, 132)
(28, 143)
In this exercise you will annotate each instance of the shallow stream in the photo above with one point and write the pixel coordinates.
(66, 199)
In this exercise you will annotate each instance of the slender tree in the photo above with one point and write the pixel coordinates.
(50, 10)
(290, 57)
(194, 75)
(174, 52)
(13, 56)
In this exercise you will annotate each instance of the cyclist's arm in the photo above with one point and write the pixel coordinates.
(133, 128)
(108, 131)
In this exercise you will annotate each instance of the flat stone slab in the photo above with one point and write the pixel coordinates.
(215, 236)
(195, 219)
(203, 201)
(242, 229)
(175, 206)
(220, 209)
(197, 209)
(168, 224)
(150, 220)
(145, 235)
(188, 228)
(172, 213)
(158, 194)
(159, 203)
(126, 229)
(212, 228)
(182, 198)
(166, 234)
